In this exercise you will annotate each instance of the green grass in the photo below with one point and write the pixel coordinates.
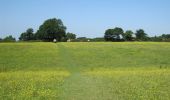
(85, 71)
(26, 85)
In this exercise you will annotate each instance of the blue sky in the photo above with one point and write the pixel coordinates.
(88, 18)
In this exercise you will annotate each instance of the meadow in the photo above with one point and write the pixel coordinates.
(85, 71)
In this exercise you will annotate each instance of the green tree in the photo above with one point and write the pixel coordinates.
(52, 29)
(156, 38)
(128, 35)
(165, 37)
(141, 35)
(71, 36)
(114, 34)
(28, 35)
(23, 37)
(9, 39)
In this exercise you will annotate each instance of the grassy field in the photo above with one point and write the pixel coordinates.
(85, 71)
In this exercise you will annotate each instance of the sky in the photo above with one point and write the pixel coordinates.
(86, 18)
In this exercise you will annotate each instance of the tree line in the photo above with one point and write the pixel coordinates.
(54, 29)
(118, 34)
(51, 29)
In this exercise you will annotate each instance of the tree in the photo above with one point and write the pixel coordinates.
(156, 38)
(0, 39)
(141, 35)
(9, 39)
(23, 36)
(161, 38)
(52, 29)
(28, 35)
(71, 36)
(114, 34)
(165, 37)
(128, 35)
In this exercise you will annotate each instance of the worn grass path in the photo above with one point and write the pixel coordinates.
(79, 86)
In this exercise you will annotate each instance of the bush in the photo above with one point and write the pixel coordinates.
(9, 39)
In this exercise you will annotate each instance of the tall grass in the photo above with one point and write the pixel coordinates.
(85, 71)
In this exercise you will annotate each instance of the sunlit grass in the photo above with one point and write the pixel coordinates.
(134, 84)
(85, 71)
(125, 71)
(31, 84)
